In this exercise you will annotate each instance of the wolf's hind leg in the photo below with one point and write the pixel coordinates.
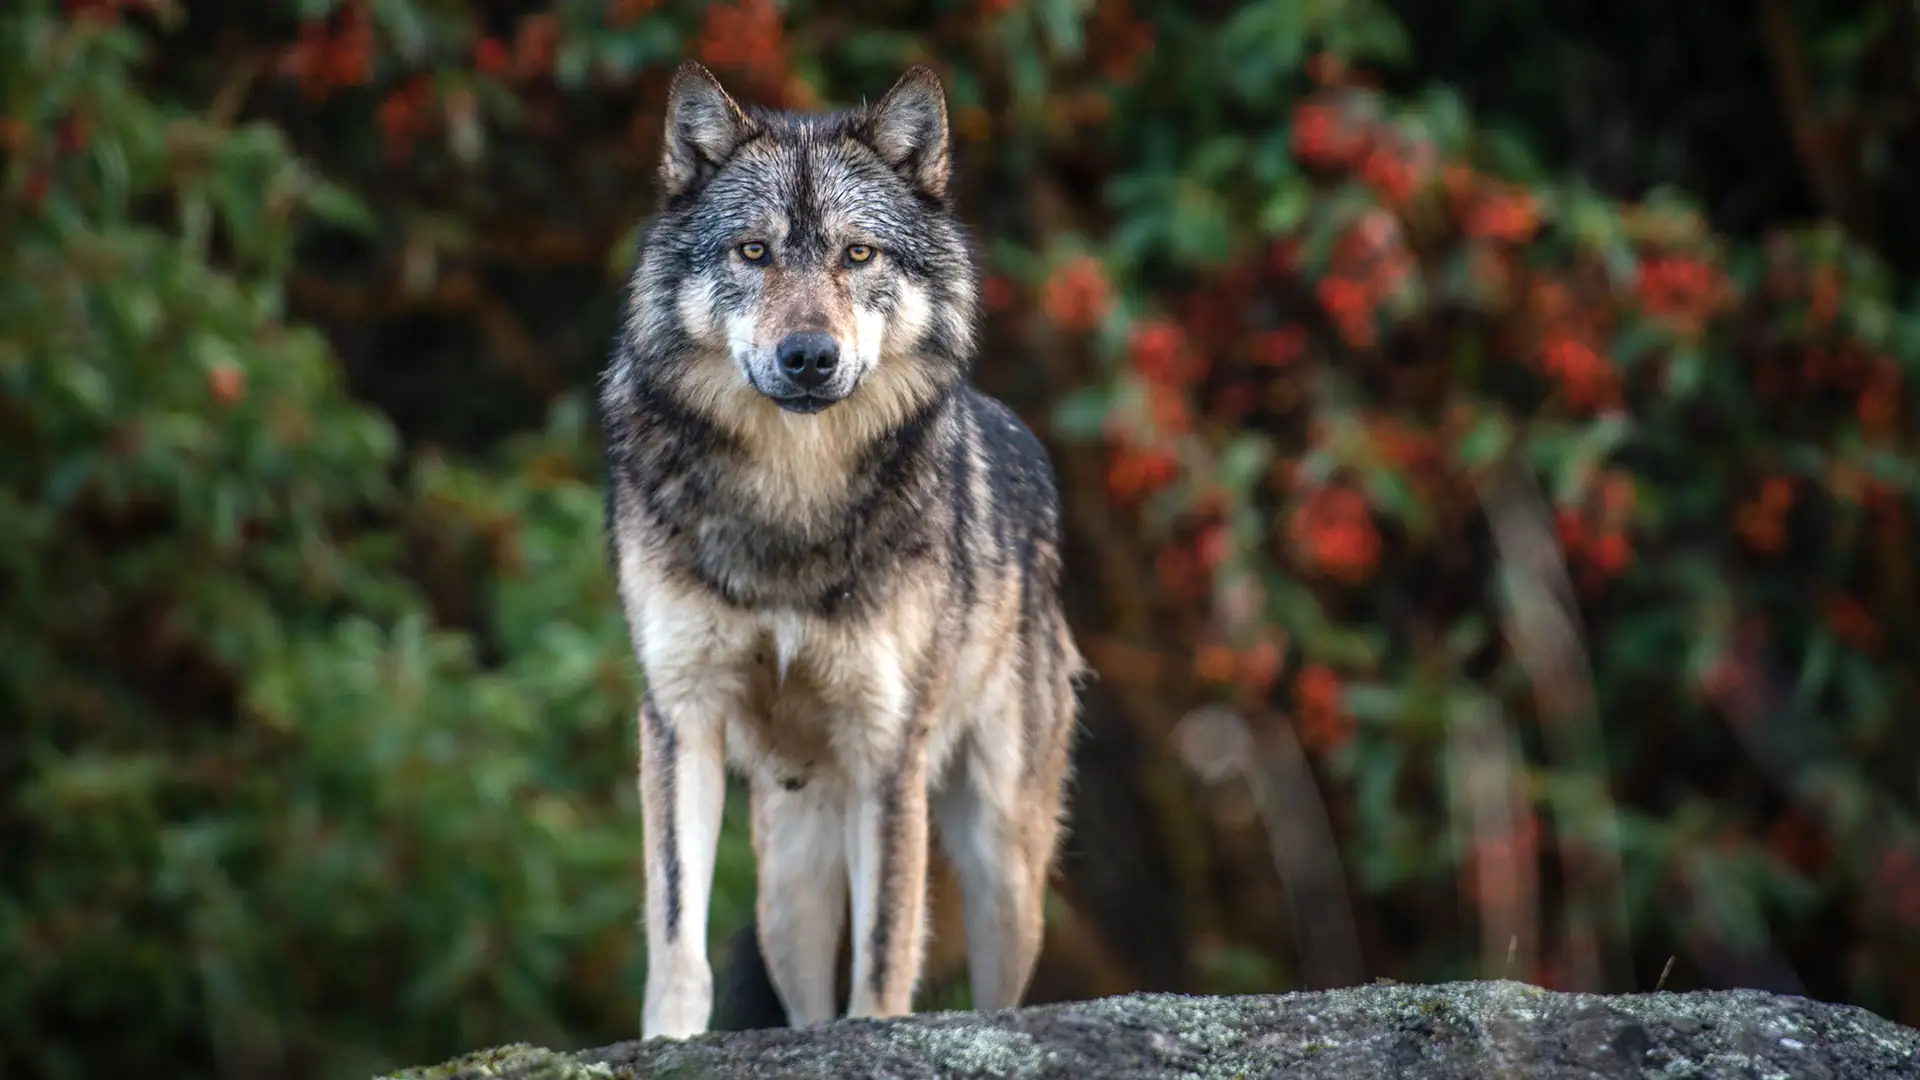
(886, 839)
(683, 793)
(1000, 833)
(799, 842)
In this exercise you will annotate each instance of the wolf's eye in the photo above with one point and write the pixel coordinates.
(858, 253)
(753, 251)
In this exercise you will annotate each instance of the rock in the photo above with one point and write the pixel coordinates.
(1456, 1031)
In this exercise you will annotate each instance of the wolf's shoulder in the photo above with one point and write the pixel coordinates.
(1006, 439)
(1018, 469)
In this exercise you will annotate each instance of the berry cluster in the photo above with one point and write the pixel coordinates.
(333, 54)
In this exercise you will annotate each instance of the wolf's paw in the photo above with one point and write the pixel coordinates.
(679, 1003)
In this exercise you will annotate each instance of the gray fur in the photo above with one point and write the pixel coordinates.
(925, 489)
(684, 468)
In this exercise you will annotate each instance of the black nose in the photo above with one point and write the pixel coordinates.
(808, 358)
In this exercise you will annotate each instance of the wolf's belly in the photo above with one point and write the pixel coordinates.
(807, 714)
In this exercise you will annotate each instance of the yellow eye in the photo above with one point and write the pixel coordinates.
(859, 253)
(753, 251)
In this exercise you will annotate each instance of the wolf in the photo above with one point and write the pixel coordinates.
(839, 562)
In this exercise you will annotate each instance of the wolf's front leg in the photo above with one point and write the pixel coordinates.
(799, 843)
(682, 793)
(887, 852)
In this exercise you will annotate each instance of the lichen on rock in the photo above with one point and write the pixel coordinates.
(516, 1060)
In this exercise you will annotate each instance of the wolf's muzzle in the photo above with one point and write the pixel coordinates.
(807, 362)
(808, 358)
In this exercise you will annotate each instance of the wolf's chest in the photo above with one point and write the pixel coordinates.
(814, 695)
(769, 566)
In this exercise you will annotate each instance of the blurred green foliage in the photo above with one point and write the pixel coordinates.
(321, 754)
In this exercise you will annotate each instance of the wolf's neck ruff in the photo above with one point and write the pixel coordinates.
(767, 506)
(764, 529)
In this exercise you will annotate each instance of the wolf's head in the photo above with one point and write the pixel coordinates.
(805, 263)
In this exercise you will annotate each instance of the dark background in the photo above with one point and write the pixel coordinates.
(1487, 432)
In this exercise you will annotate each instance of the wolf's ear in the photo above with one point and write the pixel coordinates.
(908, 128)
(703, 127)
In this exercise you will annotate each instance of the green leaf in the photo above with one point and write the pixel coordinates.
(337, 206)
(1486, 442)
(1822, 653)
(1243, 461)
(1285, 210)
(1685, 371)
(1374, 703)
(1082, 415)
